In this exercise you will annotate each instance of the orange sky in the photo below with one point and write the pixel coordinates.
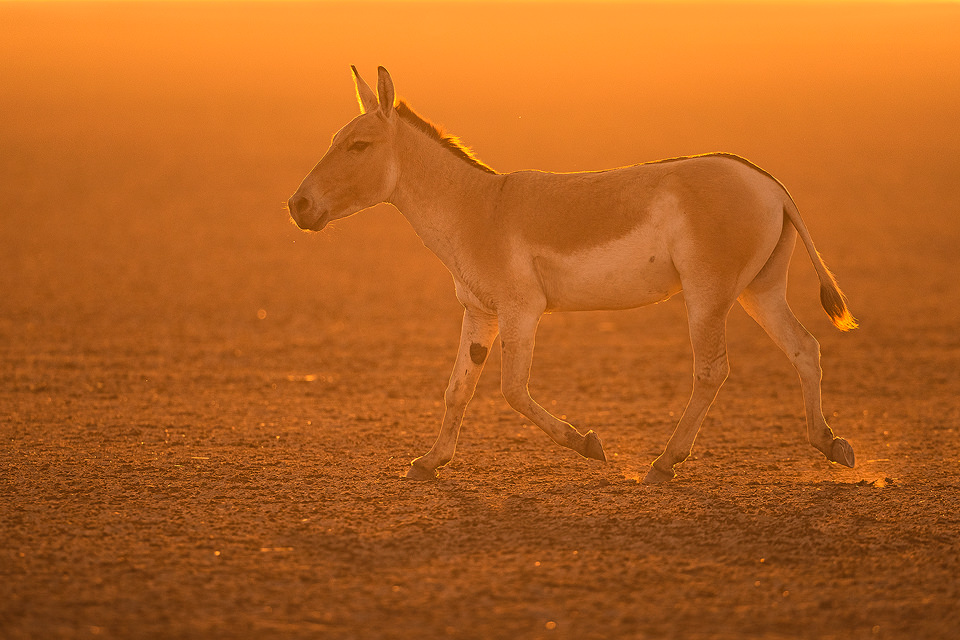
(549, 1)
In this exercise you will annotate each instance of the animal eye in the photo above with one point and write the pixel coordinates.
(359, 145)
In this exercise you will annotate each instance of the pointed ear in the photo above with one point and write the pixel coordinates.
(385, 89)
(365, 97)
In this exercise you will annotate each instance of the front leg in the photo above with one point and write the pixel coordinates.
(518, 331)
(476, 337)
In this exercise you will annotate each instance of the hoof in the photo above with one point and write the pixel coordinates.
(841, 452)
(592, 448)
(657, 475)
(416, 472)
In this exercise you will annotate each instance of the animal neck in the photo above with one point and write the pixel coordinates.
(446, 199)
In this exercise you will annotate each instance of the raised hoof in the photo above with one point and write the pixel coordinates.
(657, 475)
(842, 453)
(416, 472)
(592, 448)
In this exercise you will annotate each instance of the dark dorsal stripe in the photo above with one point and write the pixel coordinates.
(729, 156)
(451, 143)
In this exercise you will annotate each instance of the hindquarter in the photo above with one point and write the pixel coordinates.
(730, 219)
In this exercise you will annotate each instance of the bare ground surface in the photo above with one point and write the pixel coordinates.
(205, 413)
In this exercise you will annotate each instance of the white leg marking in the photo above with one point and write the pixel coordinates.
(476, 337)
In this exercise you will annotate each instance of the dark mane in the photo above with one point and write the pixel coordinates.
(451, 143)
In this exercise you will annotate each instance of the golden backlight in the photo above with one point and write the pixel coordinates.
(205, 411)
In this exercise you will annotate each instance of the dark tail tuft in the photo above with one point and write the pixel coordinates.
(835, 304)
(832, 299)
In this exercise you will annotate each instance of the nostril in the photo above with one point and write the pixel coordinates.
(298, 204)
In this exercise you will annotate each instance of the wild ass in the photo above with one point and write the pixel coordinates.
(520, 244)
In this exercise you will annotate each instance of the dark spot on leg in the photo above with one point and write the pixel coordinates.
(478, 353)
(652, 258)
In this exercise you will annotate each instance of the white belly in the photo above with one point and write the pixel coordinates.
(631, 271)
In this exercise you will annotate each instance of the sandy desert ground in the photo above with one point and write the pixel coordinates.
(205, 413)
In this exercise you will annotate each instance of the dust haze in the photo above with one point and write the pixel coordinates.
(206, 412)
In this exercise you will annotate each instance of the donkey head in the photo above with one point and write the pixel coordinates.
(359, 169)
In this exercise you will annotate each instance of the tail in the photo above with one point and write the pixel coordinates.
(832, 299)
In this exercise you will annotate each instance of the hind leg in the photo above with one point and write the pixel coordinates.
(768, 306)
(708, 321)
